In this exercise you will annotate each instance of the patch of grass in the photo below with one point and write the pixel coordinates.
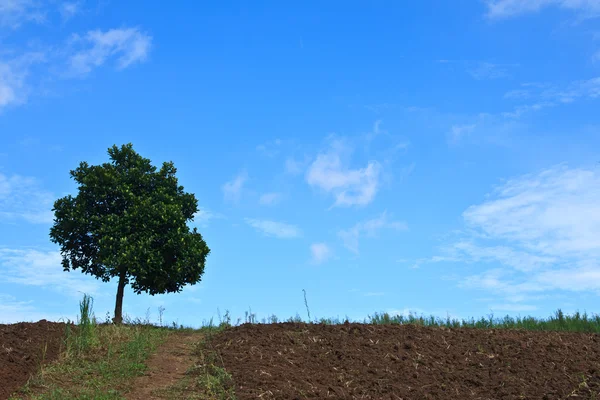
(577, 322)
(99, 360)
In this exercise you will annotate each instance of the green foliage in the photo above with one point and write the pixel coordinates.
(128, 220)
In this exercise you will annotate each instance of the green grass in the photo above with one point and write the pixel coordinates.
(577, 322)
(98, 362)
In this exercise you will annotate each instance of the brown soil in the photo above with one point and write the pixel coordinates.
(165, 367)
(356, 361)
(22, 350)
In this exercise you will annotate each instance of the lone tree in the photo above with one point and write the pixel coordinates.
(129, 221)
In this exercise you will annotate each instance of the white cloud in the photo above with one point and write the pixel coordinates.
(14, 13)
(13, 78)
(548, 95)
(376, 131)
(374, 294)
(487, 70)
(517, 94)
(128, 46)
(23, 198)
(555, 212)
(276, 229)
(509, 8)
(540, 231)
(232, 190)
(43, 269)
(13, 310)
(296, 167)
(349, 186)
(203, 216)
(586, 278)
(523, 109)
(457, 132)
(69, 9)
(10, 85)
(320, 252)
(481, 69)
(269, 199)
(517, 259)
(292, 166)
(271, 148)
(81, 53)
(350, 237)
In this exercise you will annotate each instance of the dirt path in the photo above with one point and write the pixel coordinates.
(165, 367)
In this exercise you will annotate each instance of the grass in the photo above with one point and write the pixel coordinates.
(577, 322)
(100, 360)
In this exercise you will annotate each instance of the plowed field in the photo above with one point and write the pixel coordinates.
(357, 361)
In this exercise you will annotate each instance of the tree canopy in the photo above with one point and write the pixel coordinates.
(129, 220)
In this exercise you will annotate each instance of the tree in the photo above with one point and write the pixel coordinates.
(129, 221)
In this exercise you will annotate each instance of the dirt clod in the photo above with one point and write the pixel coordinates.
(24, 347)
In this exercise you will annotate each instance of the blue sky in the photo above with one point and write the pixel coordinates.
(433, 156)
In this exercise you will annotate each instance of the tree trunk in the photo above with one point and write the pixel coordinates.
(118, 319)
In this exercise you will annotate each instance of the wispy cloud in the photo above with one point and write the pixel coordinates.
(350, 237)
(43, 268)
(510, 8)
(294, 166)
(13, 310)
(82, 53)
(232, 190)
(270, 199)
(517, 94)
(320, 252)
(381, 107)
(128, 46)
(555, 212)
(350, 187)
(14, 88)
(539, 232)
(203, 216)
(547, 95)
(271, 148)
(481, 70)
(457, 132)
(24, 198)
(273, 228)
(10, 85)
(69, 9)
(376, 131)
(14, 13)
(487, 70)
